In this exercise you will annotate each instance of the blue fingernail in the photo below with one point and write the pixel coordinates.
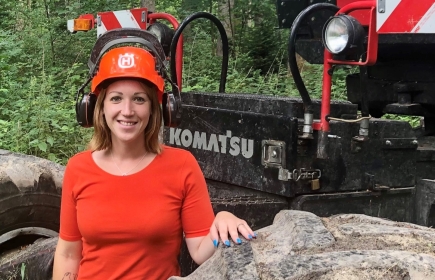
(215, 243)
(227, 243)
(250, 236)
(239, 241)
(255, 234)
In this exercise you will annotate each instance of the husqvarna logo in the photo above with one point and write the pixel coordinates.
(126, 60)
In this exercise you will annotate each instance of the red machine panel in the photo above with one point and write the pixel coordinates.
(363, 16)
(134, 18)
(405, 16)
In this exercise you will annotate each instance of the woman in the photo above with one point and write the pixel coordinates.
(128, 200)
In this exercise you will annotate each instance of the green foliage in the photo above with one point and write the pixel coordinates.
(256, 34)
(37, 86)
(42, 66)
(414, 121)
(40, 121)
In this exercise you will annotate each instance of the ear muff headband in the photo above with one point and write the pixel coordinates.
(94, 67)
(151, 42)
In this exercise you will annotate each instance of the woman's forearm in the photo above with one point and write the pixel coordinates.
(67, 260)
(65, 268)
(200, 248)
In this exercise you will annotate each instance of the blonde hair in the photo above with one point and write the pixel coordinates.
(102, 137)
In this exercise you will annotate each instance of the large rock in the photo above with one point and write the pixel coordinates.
(300, 245)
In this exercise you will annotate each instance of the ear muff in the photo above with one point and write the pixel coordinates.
(171, 107)
(85, 106)
(85, 110)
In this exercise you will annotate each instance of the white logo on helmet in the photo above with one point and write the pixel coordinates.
(126, 60)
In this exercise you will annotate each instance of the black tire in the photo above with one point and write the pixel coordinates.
(30, 190)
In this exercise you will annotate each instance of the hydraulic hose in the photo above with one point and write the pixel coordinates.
(363, 88)
(292, 50)
(225, 46)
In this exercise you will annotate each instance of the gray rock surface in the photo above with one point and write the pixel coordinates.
(299, 245)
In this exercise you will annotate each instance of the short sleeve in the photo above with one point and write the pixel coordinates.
(68, 214)
(197, 213)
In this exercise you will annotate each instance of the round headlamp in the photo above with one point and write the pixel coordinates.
(164, 34)
(341, 33)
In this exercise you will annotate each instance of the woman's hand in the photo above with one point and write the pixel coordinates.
(224, 223)
(201, 249)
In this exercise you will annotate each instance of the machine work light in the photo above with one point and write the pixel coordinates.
(342, 33)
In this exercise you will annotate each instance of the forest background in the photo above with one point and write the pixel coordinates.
(42, 65)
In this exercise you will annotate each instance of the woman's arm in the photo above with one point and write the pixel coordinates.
(197, 214)
(67, 259)
(202, 248)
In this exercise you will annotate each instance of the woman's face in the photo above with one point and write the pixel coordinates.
(127, 110)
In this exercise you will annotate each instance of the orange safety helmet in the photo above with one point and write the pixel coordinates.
(128, 62)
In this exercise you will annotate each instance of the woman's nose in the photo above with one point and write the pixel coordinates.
(127, 108)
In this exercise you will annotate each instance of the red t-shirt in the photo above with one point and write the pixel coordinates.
(132, 226)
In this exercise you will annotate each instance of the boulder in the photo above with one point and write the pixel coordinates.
(299, 245)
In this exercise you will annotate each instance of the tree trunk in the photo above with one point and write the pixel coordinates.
(47, 13)
(226, 16)
(150, 4)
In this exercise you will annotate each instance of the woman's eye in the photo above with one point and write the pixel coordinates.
(139, 99)
(115, 99)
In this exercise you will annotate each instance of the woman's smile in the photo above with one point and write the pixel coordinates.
(127, 123)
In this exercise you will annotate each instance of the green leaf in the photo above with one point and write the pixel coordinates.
(50, 140)
(23, 270)
(34, 142)
(34, 131)
(42, 146)
(52, 157)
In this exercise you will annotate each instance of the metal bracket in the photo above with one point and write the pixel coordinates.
(370, 183)
(144, 16)
(381, 6)
(399, 143)
(299, 174)
(273, 153)
(98, 20)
